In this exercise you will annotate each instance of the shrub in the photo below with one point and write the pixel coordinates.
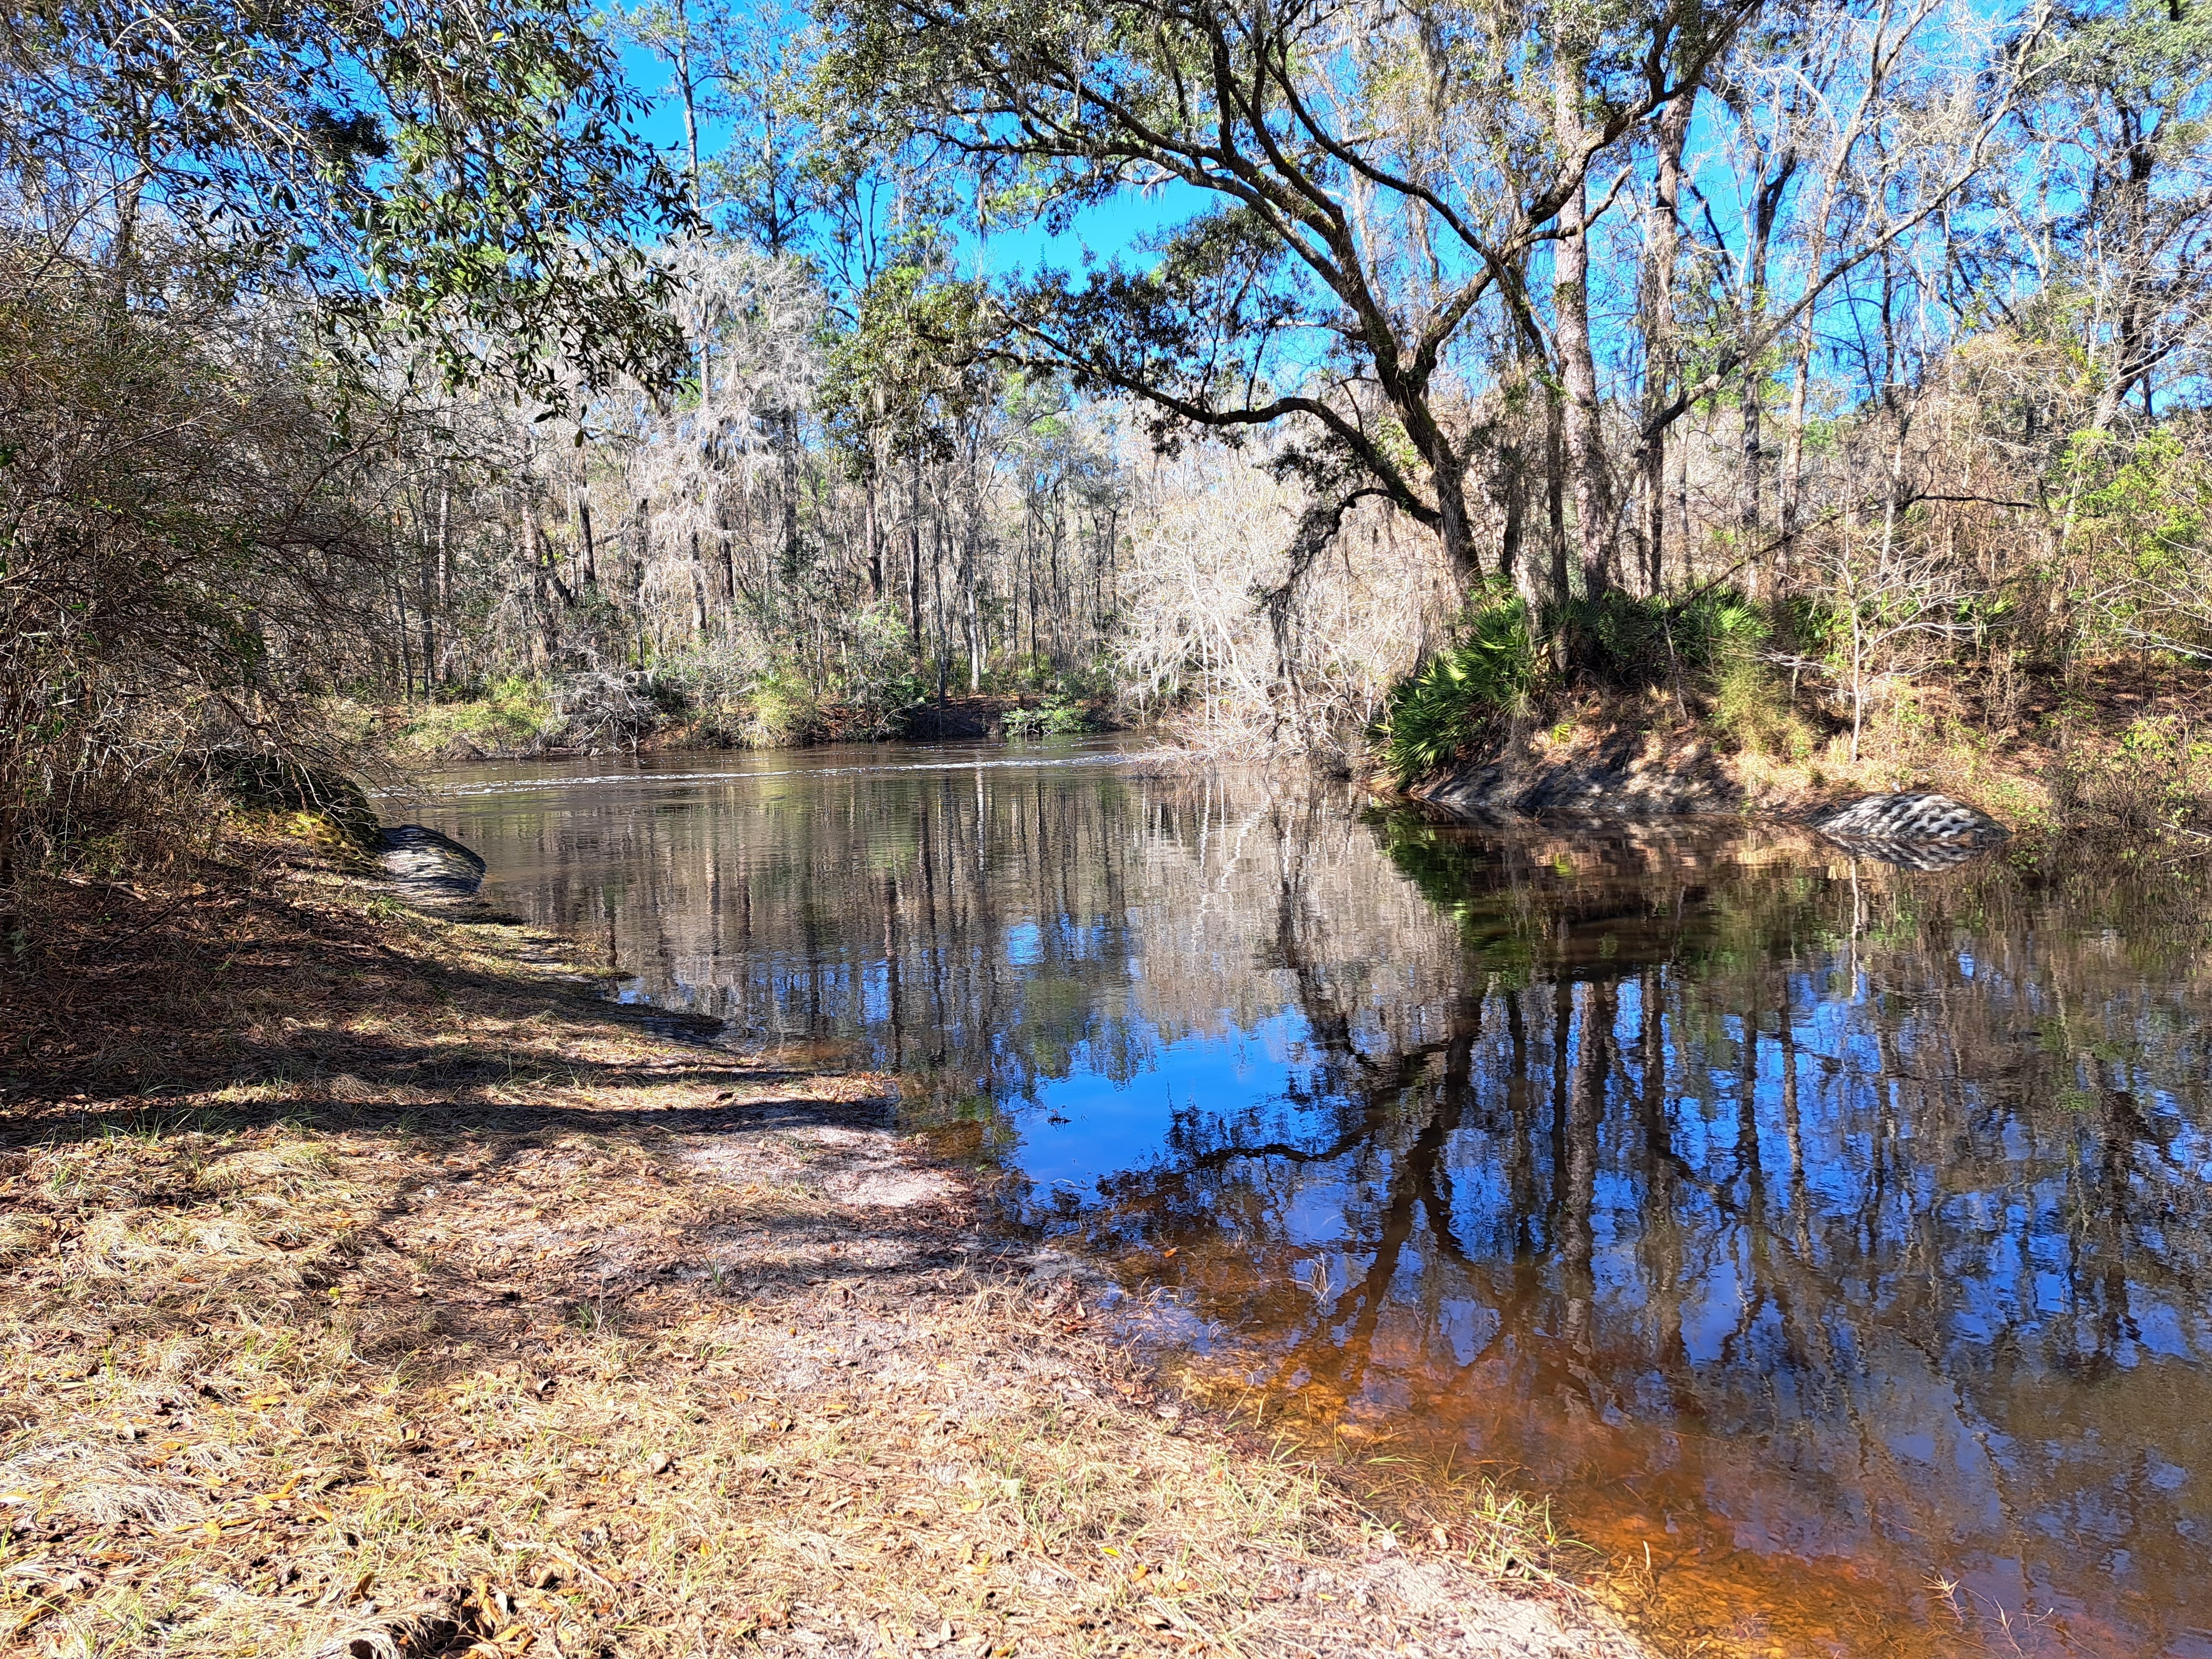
(603, 708)
(183, 568)
(671, 688)
(512, 714)
(2158, 782)
(1752, 706)
(881, 678)
(1458, 695)
(1064, 716)
(1632, 642)
(1054, 716)
(781, 712)
(314, 802)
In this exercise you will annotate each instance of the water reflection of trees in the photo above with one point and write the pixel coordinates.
(1857, 1178)
(1847, 1202)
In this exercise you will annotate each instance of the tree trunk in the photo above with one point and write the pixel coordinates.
(1555, 499)
(1513, 513)
(787, 436)
(1766, 207)
(541, 577)
(1661, 355)
(937, 604)
(1747, 502)
(1790, 487)
(643, 526)
(974, 630)
(1585, 456)
(689, 91)
(874, 544)
(2133, 367)
(1448, 477)
(970, 552)
(1026, 588)
(913, 555)
(399, 619)
(426, 601)
(698, 591)
(1792, 484)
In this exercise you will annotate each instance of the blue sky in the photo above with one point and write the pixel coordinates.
(1110, 228)
(1118, 227)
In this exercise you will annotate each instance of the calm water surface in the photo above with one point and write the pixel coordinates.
(1841, 1233)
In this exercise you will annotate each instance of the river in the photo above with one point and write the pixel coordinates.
(1837, 1233)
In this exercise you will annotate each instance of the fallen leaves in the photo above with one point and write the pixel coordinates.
(736, 1453)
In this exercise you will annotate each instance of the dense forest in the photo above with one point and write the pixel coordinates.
(1328, 377)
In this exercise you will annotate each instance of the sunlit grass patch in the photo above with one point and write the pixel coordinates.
(513, 715)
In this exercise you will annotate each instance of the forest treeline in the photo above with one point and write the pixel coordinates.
(1317, 374)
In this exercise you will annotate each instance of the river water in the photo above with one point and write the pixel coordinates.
(1841, 1233)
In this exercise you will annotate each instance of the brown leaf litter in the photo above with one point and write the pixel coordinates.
(385, 1293)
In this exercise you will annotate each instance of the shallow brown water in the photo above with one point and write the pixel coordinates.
(1839, 1232)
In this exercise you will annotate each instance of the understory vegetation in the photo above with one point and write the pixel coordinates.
(695, 702)
(2115, 745)
(1502, 665)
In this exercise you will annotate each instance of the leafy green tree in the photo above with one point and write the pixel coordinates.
(1345, 187)
(2124, 129)
(456, 181)
(231, 238)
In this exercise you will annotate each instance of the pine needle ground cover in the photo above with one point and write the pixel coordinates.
(368, 1286)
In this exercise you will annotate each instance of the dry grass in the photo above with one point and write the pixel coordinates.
(2122, 751)
(2119, 758)
(368, 1288)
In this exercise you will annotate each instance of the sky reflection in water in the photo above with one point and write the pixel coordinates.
(1831, 1229)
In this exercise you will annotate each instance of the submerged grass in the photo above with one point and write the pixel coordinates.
(370, 1288)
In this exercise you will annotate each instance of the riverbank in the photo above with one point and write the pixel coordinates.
(373, 1286)
(2123, 754)
(520, 719)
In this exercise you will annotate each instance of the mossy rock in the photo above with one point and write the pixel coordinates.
(316, 805)
(322, 829)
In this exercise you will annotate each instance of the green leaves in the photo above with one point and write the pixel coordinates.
(1459, 695)
(913, 361)
(466, 180)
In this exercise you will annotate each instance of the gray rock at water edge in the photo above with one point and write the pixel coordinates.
(1916, 830)
(1911, 816)
(1913, 855)
(428, 863)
